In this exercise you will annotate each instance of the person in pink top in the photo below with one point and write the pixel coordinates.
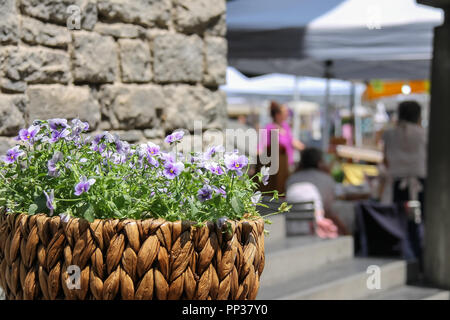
(280, 114)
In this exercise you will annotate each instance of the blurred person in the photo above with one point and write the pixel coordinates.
(286, 142)
(304, 192)
(405, 150)
(280, 115)
(313, 170)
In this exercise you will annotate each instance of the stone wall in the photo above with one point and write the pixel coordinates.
(140, 68)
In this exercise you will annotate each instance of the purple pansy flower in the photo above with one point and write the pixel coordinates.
(65, 217)
(265, 175)
(214, 168)
(118, 158)
(28, 134)
(83, 185)
(256, 197)
(151, 148)
(220, 191)
(213, 150)
(50, 201)
(174, 137)
(167, 157)
(57, 124)
(56, 135)
(97, 142)
(205, 193)
(122, 147)
(235, 162)
(12, 155)
(172, 170)
(51, 164)
(78, 127)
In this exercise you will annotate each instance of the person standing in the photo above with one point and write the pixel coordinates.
(405, 150)
(286, 143)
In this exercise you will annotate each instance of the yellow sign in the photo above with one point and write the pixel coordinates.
(377, 89)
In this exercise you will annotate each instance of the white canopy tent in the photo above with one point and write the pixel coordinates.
(346, 39)
(284, 84)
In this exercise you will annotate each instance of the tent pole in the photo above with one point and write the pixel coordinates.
(352, 110)
(326, 113)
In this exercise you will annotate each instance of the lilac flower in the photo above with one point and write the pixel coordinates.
(28, 134)
(235, 162)
(57, 124)
(51, 164)
(214, 168)
(204, 193)
(265, 175)
(213, 150)
(172, 170)
(50, 201)
(83, 185)
(174, 137)
(12, 155)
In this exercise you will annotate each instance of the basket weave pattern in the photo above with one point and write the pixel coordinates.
(129, 259)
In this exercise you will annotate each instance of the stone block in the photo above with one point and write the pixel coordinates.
(33, 65)
(56, 11)
(132, 106)
(186, 104)
(178, 58)
(36, 32)
(94, 58)
(132, 136)
(9, 24)
(57, 101)
(143, 12)
(135, 60)
(11, 113)
(6, 143)
(217, 27)
(196, 15)
(120, 30)
(215, 61)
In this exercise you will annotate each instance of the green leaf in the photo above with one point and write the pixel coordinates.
(194, 209)
(237, 205)
(284, 207)
(41, 203)
(32, 209)
(88, 212)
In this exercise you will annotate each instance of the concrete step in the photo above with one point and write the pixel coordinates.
(290, 257)
(346, 279)
(408, 292)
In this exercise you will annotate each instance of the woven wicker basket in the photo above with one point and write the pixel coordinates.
(129, 259)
